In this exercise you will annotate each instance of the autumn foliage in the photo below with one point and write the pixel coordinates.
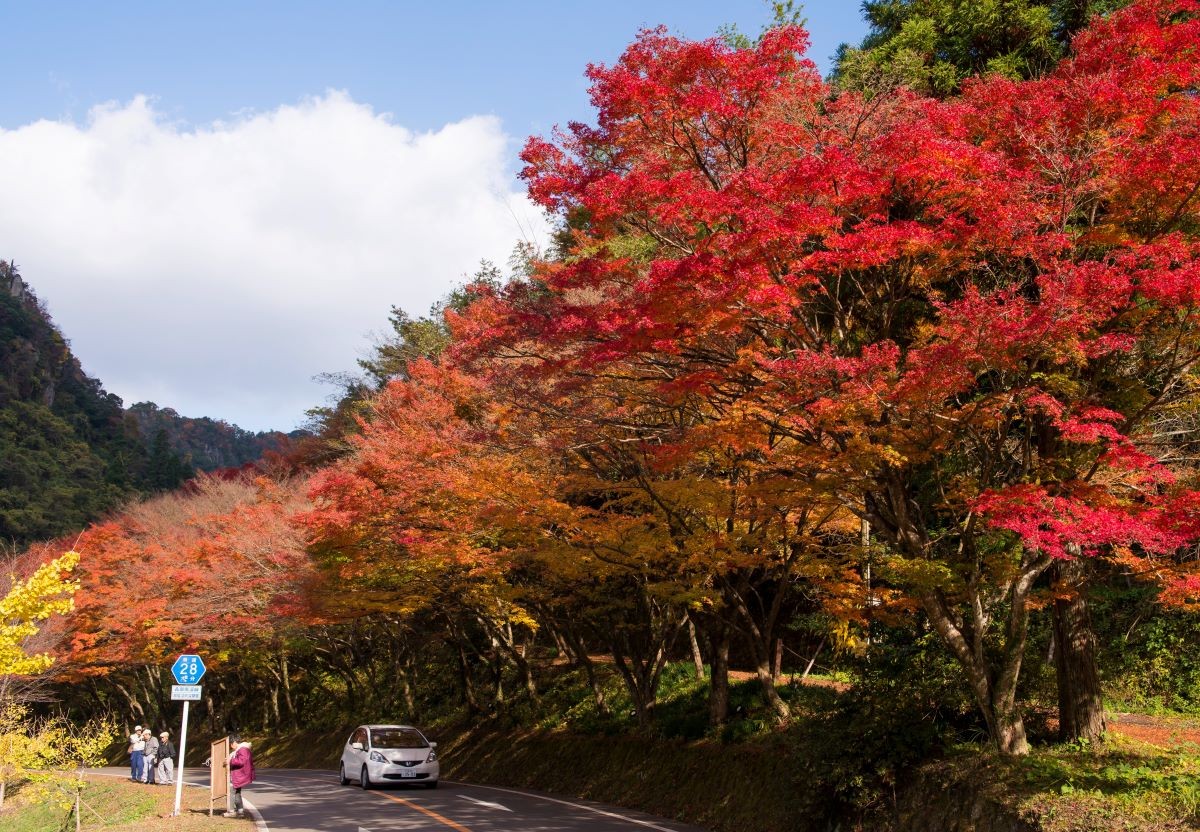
(219, 562)
(852, 354)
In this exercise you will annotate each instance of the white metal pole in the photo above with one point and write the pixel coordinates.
(182, 752)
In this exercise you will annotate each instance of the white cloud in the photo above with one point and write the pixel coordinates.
(216, 269)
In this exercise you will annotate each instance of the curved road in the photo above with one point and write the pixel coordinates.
(295, 800)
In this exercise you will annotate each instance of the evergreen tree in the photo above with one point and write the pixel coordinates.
(932, 45)
(166, 470)
(51, 483)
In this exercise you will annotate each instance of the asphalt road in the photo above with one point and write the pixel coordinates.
(294, 800)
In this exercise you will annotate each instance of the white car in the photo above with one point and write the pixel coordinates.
(379, 754)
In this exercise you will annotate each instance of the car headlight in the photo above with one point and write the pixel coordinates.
(432, 758)
(376, 757)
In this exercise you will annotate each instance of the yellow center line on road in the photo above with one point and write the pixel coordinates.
(457, 827)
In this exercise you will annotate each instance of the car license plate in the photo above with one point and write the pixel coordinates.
(408, 774)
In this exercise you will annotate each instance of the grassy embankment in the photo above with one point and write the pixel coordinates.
(114, 805)
(840, 761)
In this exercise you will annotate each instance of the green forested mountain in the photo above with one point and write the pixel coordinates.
(205, 444)
(69, 451)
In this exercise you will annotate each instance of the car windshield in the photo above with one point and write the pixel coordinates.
(397, 738)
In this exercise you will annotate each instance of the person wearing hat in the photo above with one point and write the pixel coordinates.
(166, 758)
(137, 745)
(150, 758)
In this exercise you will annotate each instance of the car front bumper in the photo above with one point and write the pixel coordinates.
(396, 773)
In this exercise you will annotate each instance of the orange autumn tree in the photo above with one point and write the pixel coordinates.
(406, 523)
(683, 477)
(217, 564)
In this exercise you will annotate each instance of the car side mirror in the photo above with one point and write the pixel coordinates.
(433, 745)
(357, 745)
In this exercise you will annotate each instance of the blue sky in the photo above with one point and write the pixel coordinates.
(219, 201)
(429, 63)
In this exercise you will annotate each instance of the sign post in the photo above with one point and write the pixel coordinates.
(188, 670)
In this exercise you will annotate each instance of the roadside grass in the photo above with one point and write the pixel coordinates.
(1131, 701)
(1120, 786)
(112, 804)
(1125, 779)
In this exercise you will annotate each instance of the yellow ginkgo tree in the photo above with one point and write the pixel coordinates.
(48, 591)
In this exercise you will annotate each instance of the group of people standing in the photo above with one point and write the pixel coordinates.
(151, 759)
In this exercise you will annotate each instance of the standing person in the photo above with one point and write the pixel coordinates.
(150, 758)
(166, 758)
(241, 773)
(137, 746)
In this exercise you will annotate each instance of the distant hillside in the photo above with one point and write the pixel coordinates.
(207, 444)
(69, 451)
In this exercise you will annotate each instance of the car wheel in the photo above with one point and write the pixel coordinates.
(432, 784)
(364, 779)
(342, 778)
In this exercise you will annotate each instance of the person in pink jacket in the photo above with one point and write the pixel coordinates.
(241, 773)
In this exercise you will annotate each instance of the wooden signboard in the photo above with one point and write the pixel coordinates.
(218, 773)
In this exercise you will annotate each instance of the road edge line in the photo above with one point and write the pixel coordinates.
(538, 796)
(260, 823)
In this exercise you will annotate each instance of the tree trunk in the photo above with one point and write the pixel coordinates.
(504, 641)
(497, 667)
(526, 670)
(407, 694)
(697, 659)
(573, 646)
(498, 681)
(993, 680)
(760, 638)
(212, 716)
(718, 691)
(598, 696)
(468, 686)
(641, 681)
(559, 642)
(777, 664)
(1080, 706)
(808, 667)
(285, 678)
(1010, 731)
(641, 669)
(762, 669)
(135, 707)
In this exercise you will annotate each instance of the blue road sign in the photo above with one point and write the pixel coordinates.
(188, 669)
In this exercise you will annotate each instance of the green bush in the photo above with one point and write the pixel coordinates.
(906, 704)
